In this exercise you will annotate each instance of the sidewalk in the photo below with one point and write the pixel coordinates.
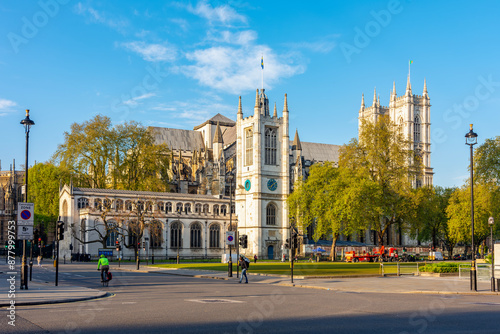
(371, 284)
(42, 293)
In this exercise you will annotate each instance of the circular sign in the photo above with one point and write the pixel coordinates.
(272, 184)
(25, 214)
(230, 238)
(248, 185)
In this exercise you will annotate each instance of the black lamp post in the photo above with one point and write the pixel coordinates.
(471, 140)
(27, 122)
(491, 222)
(230, 262)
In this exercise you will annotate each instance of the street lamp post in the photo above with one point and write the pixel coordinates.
(491, 222)
(27, 123)
(230, 262)
(471, 140)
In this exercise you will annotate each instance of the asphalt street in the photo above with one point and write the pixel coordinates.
(156, 303)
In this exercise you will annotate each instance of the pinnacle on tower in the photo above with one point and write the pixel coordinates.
(296, 141)
(425, 87)
(374, 97)
(362, 101)
(240, 109)
(218, 134)
(378, 101)
(256, 99)
(285, 106)
(275, 114)
(394, 88)
(408, 85)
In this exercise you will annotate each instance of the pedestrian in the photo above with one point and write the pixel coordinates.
(244, 266)
(255, 258)
(39, 260)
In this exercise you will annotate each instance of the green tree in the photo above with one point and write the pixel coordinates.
(385, 170)
(459, 212)
(44, 181)
(487, 161)
(121, 157)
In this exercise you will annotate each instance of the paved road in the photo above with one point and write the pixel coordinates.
(154, 303)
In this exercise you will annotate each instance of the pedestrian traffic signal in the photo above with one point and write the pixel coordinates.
(60, 230)
(287, 243)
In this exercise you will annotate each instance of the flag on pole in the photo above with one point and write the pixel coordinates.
(411, 62)
(262, 62)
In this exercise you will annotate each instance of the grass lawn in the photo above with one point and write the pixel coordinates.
(303, 269)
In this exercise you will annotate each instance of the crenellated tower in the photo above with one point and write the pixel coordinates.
(262, 179)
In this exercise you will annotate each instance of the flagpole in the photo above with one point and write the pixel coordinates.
(262, 66)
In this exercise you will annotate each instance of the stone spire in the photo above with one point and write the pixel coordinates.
(408, 86)
(374, 97)
(275, 113)
(362, 101)
(296, 141)
(218, 134)
(285, 105)
(240, 109)
(425, 87)
(378, 101)
(256, 108)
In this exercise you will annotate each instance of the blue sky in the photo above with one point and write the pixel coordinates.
(176, 64)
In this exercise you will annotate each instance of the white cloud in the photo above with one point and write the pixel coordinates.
(181, 23)
(323, 45)
(224, 15)
(152, 52)
(238, 38)
(237, 69)
(96, 16)
(6, 106)
(133, 102)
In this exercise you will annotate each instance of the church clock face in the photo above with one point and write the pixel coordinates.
(248, 185)
(272, 184)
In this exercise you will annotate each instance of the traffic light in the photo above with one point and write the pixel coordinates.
(118, 247)
(295, 241)
(60, 230)
(287, 243)
(244, 241)
(39, 242)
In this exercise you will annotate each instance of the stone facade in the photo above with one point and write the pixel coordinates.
(11, 183)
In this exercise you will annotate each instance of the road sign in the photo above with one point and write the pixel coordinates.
(230, 238)
(24, 232)
(25, 214)
(491, 221)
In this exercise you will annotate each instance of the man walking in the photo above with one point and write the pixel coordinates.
(244, 266)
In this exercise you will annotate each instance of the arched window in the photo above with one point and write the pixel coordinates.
(416, 130)
(140, 205)
(196, 235)
(133, 229)
(223, 210)
(161, 206)
(248, 146)
(233, 209)
(149, 206)
(270, 146)
(107, 204)
(176, 235)
(97, 204)
(83, 202)
(271, 214)
(197, 208)
(216, 209)
(112, 235)
(214, 236)
(155, 234)
(168, 207)
(206, 208)
(178, 208)
(187, 208)
(128, 205)
(65, 212)
(119, 205)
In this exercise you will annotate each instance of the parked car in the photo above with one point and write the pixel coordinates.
(459, 257)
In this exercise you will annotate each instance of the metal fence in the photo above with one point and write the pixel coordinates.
(399, 268)
(483, 271)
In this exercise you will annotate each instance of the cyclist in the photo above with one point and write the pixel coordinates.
(103, 264)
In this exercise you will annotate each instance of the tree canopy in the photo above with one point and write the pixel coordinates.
(120, 157)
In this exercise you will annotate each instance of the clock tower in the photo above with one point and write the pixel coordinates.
(262, 178)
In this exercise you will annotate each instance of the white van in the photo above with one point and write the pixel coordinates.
(436, 256)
